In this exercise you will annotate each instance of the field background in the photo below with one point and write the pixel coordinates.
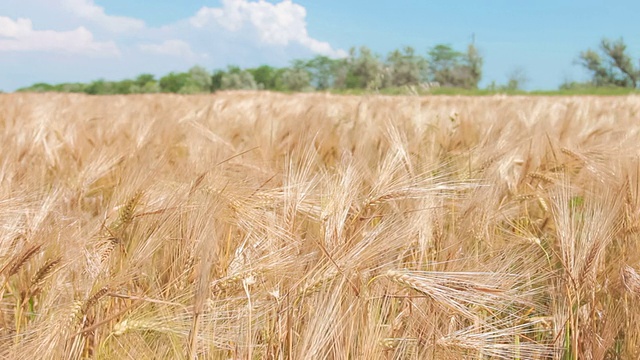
(257, 225)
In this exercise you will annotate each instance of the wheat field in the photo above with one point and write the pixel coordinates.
(254, 225)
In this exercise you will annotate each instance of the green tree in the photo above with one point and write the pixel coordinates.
(39, 87)
(474, 62)
(151, 87)
(144, 83)
(216, 80)
(452, 68)
(619, 59)
(266, 77)
(600, 75)
(98, 87)
(198, 81)
(365, 69)
(143, 79)
(123, 87)
(612, 66)
(341, 73)
(236, 79)
(72, 87)
(322, 70)
(406, 67)
(296, 78)
(443, 61)
(173, 82)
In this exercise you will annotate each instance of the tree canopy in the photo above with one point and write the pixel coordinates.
(610, 65)
(361, 69)
(442, 66)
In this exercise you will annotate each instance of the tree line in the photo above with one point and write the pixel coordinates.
(442, 66)
(361, 69)
(610, 65)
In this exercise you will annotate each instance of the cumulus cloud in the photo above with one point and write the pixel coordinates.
(19, 35)
(242, 32)
(275, 24)
(176, 48)
(87, 9)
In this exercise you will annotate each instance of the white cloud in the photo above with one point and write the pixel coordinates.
(176, 48)
(19, 35)
(276, 24)
(87, 9)
(246, 33)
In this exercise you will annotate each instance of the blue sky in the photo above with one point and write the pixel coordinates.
(82, 40)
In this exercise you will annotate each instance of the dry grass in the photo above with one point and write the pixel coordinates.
(270, 226)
